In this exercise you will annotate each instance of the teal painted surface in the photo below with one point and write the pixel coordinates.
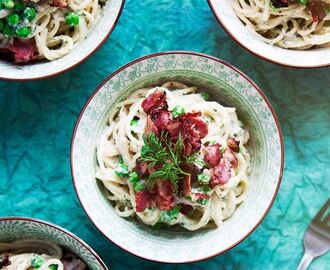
(37, 119)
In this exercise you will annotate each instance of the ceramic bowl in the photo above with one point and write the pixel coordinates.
(226, 16)
(14, 228)
(230, 87)
(44, 69)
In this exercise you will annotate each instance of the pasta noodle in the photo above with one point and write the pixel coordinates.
(122, 140)
(290, 27)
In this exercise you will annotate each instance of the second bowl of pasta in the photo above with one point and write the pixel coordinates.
(173, 151)
(40, 39)
(291, 33)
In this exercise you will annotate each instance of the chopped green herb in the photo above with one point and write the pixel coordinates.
(222, 125)
(37, 261)
(120, 159)
(202, 201)
(303, 2)
(1, 25)
(138, 186)
(122, 170)
(134, 122)
(53, 267)
(188, 197)
(206, 188)
(134, 177)
(213, 142)
(203, 178)
(205, 95)
(167, 216)
(177, 111)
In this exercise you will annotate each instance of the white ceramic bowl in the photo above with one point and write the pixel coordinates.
(14, 228)
(44, 69)
(226, 84)
(226, 16)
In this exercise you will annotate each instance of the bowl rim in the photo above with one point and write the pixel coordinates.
(120, 69)
(81, 60)
(65, 231)
(210, 2)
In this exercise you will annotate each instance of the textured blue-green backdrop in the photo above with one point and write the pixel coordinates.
(37, 119)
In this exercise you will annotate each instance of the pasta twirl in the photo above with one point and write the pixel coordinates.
(206, 189)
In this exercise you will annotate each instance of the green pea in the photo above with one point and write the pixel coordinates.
(72, 19)
(8, 31)
(37, 261)
(138, 186)
(122, 170)
(203, 178)
(205, 95)
(13, 19)
(134, 177)
(19, 6)
(29, 13)
(177, 111)
(23, 32)
(8, 4)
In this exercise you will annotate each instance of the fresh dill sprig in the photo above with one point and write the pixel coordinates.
(163, 155)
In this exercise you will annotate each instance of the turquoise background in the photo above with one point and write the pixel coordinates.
(37, 119)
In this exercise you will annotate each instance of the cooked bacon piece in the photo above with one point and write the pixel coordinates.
(161, 118)
(150, 127)
(318, 9)
(23, 51)
(142, 168)
(192, 130)
(202, 196)
(233, 144)
(185, 209)
(60, 3)
(155, 101)
(144, 199)
(185, 185)
(5, 260)
(280, 3)
(164, 195)
(212, 154)
(195, 123)
(174, 129)
(221, 175)
(229, 158)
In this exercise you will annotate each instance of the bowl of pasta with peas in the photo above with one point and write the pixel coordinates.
(177, 157)
(29, 244)
(39, 39)
(294, 33)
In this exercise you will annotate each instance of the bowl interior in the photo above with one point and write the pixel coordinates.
(40, 69)
(296, 58)
(226, 86)
(14, 229)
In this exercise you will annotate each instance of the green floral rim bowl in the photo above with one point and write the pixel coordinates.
(227, 85)
(14, 228)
